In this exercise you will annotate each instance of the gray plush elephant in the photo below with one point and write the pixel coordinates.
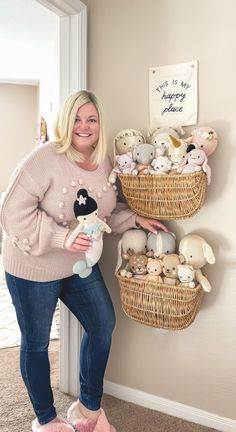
(143, 154)
(162, 242)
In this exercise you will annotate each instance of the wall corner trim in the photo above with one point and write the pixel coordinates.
(170, 407)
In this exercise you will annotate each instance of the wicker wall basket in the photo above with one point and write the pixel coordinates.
(177, 196)
(159, 305)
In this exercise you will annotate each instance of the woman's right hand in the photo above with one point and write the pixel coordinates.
(81, 243)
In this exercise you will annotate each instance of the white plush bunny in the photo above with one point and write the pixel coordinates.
(196, 161)
(197, 252)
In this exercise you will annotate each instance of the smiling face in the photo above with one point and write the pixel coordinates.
(196, 157)
(86, 129)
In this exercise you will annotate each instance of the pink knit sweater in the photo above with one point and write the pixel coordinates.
(37, 211)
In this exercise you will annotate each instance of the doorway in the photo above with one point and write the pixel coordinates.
(72, 76)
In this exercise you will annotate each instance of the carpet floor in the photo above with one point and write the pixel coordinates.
(16, 413)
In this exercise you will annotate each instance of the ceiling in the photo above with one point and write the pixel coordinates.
(26, 22)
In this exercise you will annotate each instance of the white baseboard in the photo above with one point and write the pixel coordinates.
(169, 407)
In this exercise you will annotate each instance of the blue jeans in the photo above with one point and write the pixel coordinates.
(35, 303)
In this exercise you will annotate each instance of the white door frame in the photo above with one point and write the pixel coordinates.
(72, 77)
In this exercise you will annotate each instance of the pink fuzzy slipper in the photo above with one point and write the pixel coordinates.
(58, 426)
(102, 424)
(82, 424)
(85, 425)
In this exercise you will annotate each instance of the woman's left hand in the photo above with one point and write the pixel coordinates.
(150, 224)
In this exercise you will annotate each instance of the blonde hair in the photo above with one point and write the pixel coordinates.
(64, 123)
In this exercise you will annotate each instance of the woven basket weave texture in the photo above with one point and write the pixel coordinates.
(159, 305)
(165, 196)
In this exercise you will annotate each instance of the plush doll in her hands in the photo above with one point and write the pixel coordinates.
(86, 212)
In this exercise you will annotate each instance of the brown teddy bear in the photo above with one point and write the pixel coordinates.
(170, 270)
(154, 269)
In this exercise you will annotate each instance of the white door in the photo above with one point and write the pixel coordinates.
(72, 77)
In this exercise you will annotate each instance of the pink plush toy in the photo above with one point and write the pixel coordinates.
(204, 138)
(125, 163)
(196, 161)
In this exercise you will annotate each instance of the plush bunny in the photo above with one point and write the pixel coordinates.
(132, 241)
(186, 275)
(161, 165)
(86, 212)
(170, 263)
(204, 138)
(126, 139)
(177, 152)
(196, 161)
(125, 165)
(160, 137)
(197, 252)
(162, 242)
(154, 269)
(143, 154)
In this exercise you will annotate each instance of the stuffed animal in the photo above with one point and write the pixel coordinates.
(143, 154)
(197, 252)
(86, 212)
(162, 242)
(154, 269)
(160, 137)
(170, 263)
(138, 265)
(161, 165)
(177, 152)
(196, 161)
(186, 275)
(204, 138)
(132, 241)
(125, 165)
(126, 139)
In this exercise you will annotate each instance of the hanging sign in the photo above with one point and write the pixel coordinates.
(173, 95)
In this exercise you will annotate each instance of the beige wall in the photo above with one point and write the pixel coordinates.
(195, 366)
(18, 121)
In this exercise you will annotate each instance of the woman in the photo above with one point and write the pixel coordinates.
(36, 215)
